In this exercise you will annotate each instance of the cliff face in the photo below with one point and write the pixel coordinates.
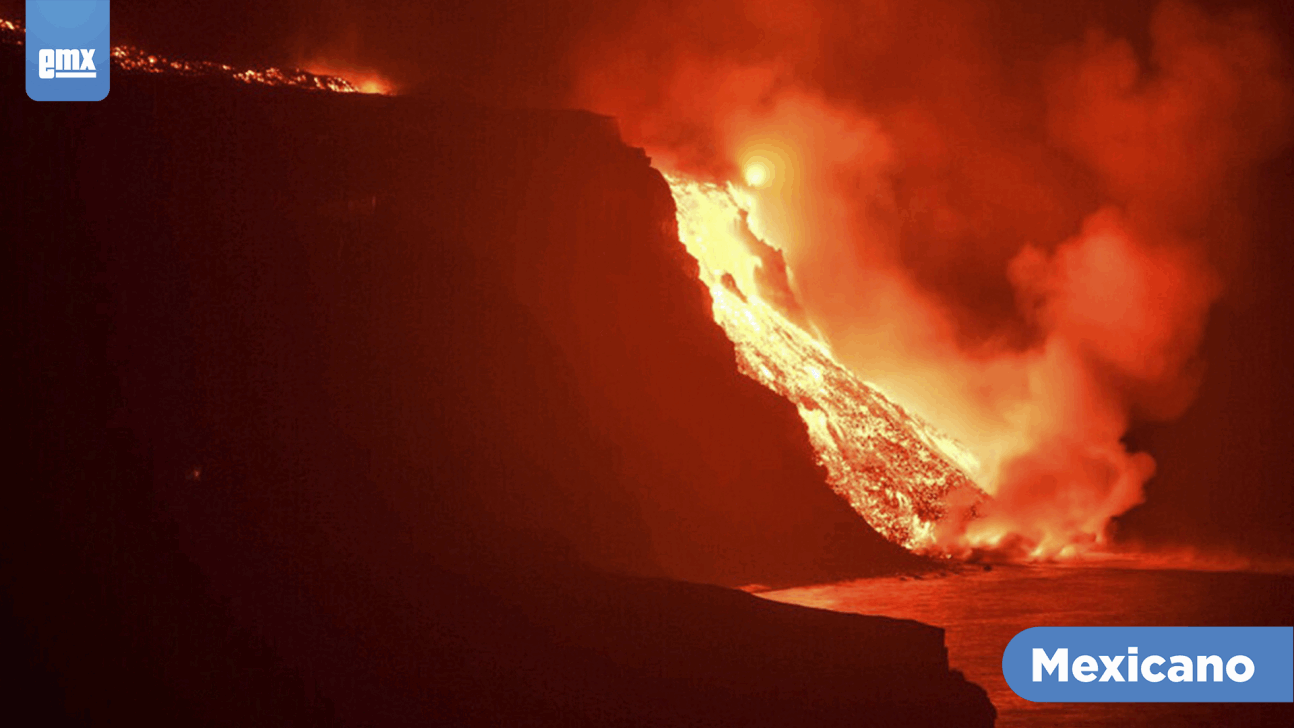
(336, 403)
(488, 313)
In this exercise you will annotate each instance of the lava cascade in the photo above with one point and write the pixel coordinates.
(898, 472)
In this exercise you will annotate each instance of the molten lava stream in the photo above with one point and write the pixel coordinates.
(898, 472)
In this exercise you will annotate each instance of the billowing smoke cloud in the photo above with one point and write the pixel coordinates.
(1017, 227)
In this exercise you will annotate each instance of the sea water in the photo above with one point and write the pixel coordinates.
(981, 610)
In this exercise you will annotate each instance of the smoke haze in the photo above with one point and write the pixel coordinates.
(1020, 240)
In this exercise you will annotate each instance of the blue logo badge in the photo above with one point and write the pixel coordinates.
(1152, 664)
(68, 51)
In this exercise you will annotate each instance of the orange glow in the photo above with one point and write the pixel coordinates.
(1034, 277)
(759, 172)
(364, 80)
(1046, 422)
(766, 156)
(132, 59)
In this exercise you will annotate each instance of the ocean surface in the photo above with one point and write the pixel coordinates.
(981, 610)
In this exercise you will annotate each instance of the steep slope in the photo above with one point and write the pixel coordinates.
(900, 474)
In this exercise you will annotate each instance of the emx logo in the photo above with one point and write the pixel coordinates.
(67, 63)
(67, 50)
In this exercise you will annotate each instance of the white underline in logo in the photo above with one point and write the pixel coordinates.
(75, 74)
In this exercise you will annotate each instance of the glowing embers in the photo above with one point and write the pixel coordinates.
(895, 470)
(363, 80)
(129, 58)
(133, 59)
(12, 32)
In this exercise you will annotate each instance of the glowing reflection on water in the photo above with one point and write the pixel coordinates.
(982, 610)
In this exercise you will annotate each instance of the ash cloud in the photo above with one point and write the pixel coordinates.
(1017, 224)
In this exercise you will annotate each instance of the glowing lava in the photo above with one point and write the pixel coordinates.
(900, 474)
(365, 81)
(128, 58)
(134, 60)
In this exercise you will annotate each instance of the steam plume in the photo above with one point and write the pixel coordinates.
(1016, 230)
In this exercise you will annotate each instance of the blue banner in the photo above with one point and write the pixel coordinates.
(1152, 664)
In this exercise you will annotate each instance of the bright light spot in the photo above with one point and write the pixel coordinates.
(364, 80)
(758, 172)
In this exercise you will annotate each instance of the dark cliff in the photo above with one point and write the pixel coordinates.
(374, 411)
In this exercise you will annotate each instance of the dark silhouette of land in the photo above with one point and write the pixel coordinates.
(374, 411)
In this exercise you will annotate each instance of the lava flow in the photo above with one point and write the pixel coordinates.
(1022, 248)
(902, 475)
(321, 76)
